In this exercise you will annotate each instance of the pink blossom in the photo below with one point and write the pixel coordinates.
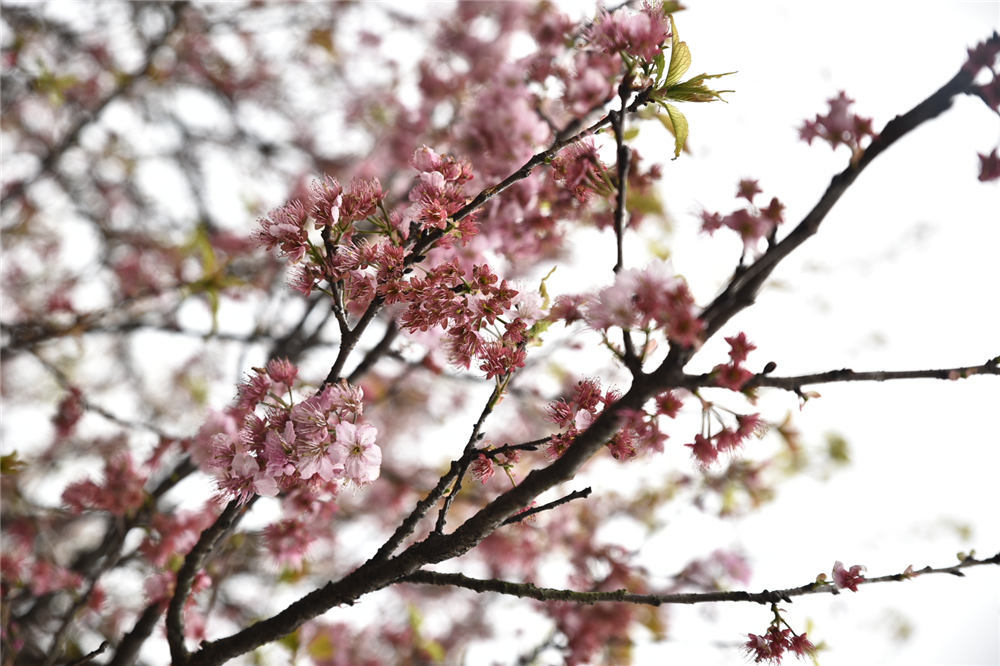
(639, 33)
(669, 404)
(747, 189)
(120, 492)
(731, 376)
(361, 200)
(70, 411)
(740, 347)
(327, 197)
(288, 541)
(847, 578)
(703, 450)
(356, 449)
(482, 468)
(282, 371)
(838, 126)
(989, 166)
(284, 228)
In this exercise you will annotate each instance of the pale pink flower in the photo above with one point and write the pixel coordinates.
(360, 455)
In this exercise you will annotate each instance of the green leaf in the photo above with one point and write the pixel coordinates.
(659, 63)
(693, 90)
(543, 291)
(11, 465)
(680, 57)
(680, 125)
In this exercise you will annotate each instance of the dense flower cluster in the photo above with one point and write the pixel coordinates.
(643, 299)
(751, 222)
(638, 33)
(120, 492)
(637, 431)
(439, 192)
(317, 442)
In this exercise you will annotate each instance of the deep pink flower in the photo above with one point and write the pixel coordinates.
(327, 197)
(801, 645)
(989, 166)
(740, 347)
(482, 468)
(747, 189)
(758, 648)
(847, 578)
(838, 126)
(361, 200)
(703, 450)
(731, 376)
(284, 228)
(668, 404)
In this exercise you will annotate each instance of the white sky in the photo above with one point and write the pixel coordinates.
(901, 275)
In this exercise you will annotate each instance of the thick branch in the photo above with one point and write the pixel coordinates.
(529, 591)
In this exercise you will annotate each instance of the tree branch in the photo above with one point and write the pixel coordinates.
(795, 383)
(379, 571)
(529, 591)
(192, 564)
(746, 282)
(576, 494)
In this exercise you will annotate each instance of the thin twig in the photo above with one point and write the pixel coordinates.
(527, 590)
(90, 655)
(796, 382)
(576, 494)
(192, 564)
(468, 454)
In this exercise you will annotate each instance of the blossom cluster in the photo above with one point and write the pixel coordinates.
(733, 375)
(464, 303)
(707, 446)
(644, 299)
(120, 492)
(637, 431)
(771, 647)
(639, 33)
(838, 126)
(461, 300)
(580, 170)
(751, 222)
(439, 192)
(317, 442)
